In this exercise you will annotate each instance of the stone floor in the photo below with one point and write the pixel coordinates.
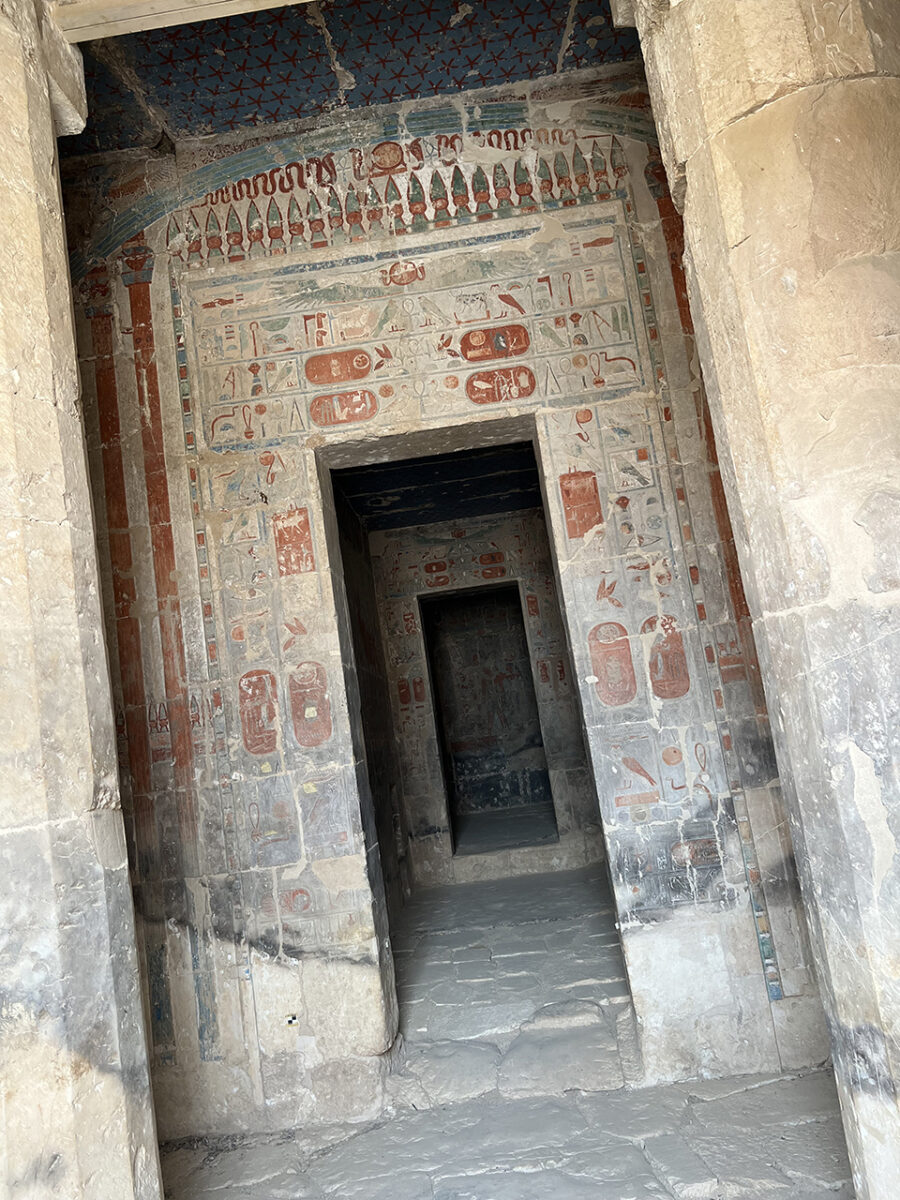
(511, 1085)
(509, 979)
(505, 828)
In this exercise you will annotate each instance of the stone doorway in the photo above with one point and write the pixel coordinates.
(489, 728)
(452, 612)
(468, 720)
(266, 823)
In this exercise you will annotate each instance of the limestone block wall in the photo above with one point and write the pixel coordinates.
(75, 1116)
(783, 149)
(426, 561)
(429, 276)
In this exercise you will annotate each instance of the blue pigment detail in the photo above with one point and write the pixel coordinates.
(259, 68)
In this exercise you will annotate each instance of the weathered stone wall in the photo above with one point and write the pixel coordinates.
(402, 282)
(779, 122)
(422, 562)
(75, 1117)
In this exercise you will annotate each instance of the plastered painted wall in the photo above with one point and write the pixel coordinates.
(427, 274)
(375, 731)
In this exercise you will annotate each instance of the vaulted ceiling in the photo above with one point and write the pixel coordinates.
(291, 63)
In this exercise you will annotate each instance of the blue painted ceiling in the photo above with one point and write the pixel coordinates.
(445, 487)
(291, 63)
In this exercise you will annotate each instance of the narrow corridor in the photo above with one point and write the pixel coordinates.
(516, 984)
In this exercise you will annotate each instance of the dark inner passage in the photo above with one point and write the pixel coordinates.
(463, 706)
(498, 787)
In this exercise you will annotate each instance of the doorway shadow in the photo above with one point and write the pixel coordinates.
(498, 788)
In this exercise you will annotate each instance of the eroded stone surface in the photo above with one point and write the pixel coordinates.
(520, 1114)
(791, 251)
(565, 1148)
(684, 1172)
(75, 1118)
(560, 1060)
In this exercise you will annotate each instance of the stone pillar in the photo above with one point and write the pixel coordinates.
(137, 275)
(779, 123)
(77, 1114)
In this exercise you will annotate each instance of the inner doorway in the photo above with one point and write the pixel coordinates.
(469, 740)
(464, 704)
(492, 748)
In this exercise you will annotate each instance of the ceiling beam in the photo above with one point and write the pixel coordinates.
(86, 20)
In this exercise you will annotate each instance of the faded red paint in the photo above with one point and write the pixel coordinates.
(642, 799)
(289, 903)
(338, 366)
(491, 563)
(673, 231)
(258, 703)
(387, 157)
(139, 269)
(730, 559)
(504, 341)
(581, 502)
(731, 661)
(612, 664)
(158, 725)
(128, 632)
(343, 408)
(669, 676)
(310, 706)
(295, 900)
(698, 852)
(402, 273)
(293, 542)
(435, 572)
(503, 386)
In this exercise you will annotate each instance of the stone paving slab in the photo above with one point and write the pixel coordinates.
(444, 1072)
(620, 1145)
(532, 898)
(509, 1085)
(480, 960)
(517, 1185)
(544, 1062)
(682, 1170)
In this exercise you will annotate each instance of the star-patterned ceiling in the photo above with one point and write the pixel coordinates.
(290, 63)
